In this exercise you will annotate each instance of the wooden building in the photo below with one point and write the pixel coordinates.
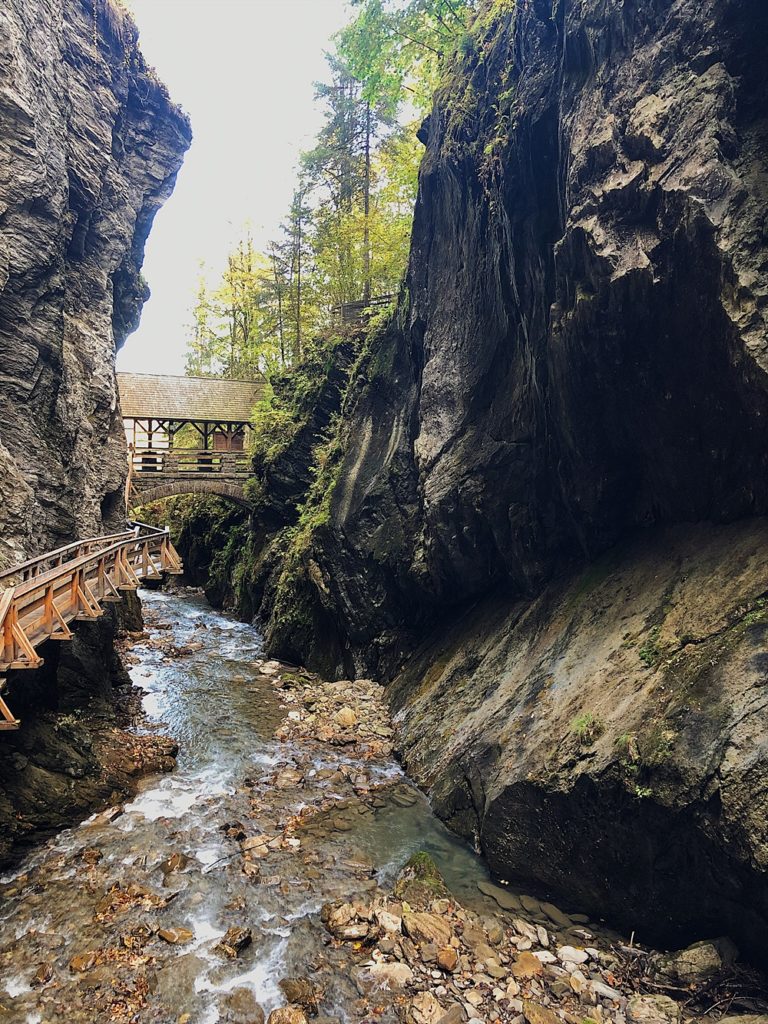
(163, 412)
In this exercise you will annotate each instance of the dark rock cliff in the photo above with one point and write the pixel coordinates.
(90, 145)
(580, 354)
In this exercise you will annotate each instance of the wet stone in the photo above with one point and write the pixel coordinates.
(240, 1007)
(287, 1015)
(301, 992)
(176, 936)
(234, 941)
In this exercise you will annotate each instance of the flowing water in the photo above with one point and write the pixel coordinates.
(73, 898)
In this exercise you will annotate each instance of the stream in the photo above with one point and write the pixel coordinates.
(122, 917)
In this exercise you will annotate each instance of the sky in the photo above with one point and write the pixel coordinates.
(244, 72)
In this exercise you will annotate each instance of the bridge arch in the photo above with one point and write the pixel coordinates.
(219, 489)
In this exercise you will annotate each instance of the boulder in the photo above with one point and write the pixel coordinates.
(655, 1009)
(423, 927)
(695, 965)
(240, 1007)
(301, 992)
(393, 976)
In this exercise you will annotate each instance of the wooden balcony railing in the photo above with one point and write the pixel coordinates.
(173, 461)
(43, 595)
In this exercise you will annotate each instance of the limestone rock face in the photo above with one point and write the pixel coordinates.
(90, 145)
(583, 347)
(579, 359)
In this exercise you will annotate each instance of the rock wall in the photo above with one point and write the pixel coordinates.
(579, 358)
(582, 348)
(90, 145)
(74, 754)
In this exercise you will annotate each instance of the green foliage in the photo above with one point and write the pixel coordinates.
(346, 235)
(396, 49)
(649, 651)
(238, 329)
(587, 728)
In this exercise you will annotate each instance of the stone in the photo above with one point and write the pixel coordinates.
(82, 962)
(287, 1015)
(234, 941)
(494, 930)
(655, 1009)
(453, 1015)
(393, 976)
(506, 900)
(695, 965)
(556, 916)
(43, 974)
(176, 862)
(424, 927)
(526, 965)
(240, 1006)
(176, 936)
(535, 1013)
(545, 956)
(569, 954)
(345, 717)
(604, 991)
(390, 923)
(301, 992)
(447, 958)
(425, 1009)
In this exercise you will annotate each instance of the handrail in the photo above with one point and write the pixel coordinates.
(30, 585)
(58, 553)
(40, 607)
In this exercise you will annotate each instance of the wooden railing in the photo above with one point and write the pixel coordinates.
(43, 595)
(359, 312)
(172, 461)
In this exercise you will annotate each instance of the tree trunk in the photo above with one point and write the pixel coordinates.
(367, 208)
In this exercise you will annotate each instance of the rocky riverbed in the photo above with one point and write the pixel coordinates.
(289, 870)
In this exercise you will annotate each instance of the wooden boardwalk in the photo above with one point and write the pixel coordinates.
(42, 596)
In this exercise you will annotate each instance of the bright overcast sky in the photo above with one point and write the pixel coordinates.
(244, 71)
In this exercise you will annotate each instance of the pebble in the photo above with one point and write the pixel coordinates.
(568, 954)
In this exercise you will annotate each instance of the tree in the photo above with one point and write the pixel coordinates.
(395, 49)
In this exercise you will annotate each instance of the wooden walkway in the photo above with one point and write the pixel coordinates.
(41, 597)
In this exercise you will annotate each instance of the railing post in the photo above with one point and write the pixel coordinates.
(9, 644)
(49, 608)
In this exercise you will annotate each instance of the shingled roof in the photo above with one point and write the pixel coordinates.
(145, 395)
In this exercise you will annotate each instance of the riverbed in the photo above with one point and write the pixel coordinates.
(81, 919)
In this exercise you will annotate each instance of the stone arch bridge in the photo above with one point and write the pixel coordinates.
(186, 435)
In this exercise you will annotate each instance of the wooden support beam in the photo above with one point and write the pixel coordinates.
(71, 584)
(7, 718)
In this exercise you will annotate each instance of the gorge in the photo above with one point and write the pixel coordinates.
(530, 501)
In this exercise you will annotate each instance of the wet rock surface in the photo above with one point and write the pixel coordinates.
(77, 749)
(281, 873)
(617, 754)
